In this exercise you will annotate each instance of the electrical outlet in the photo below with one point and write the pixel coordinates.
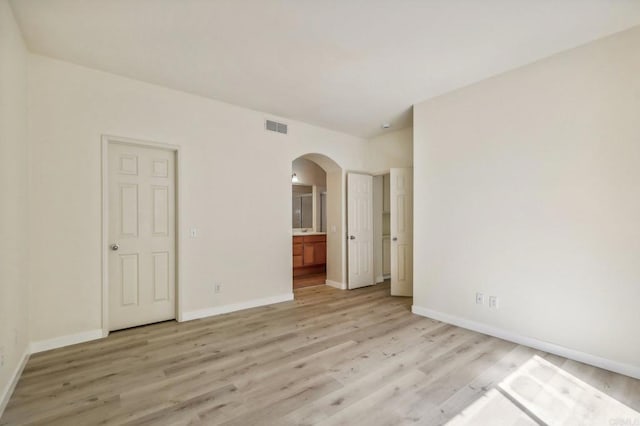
(479, 299)
(217, 287)
(493, 302)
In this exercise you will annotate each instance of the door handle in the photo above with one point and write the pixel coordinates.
(395, 238)
(115, 247)
(352, 237)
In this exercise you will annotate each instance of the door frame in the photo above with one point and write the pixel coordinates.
(336, 195)
(106, 141)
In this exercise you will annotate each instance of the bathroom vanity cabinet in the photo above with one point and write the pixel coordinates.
(309, 254)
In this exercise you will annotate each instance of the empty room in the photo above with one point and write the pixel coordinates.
(296, 212)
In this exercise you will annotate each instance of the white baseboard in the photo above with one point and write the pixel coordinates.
(225, 309)
(379, 279)
(8, 390)
(336, 284)
(607, 364)
(71, 339)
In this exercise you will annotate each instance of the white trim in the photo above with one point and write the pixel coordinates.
(106, 140)
(607, 364)
(379, 279)
(336, 284)
(8, 390)
(225, 309)
(71, 339)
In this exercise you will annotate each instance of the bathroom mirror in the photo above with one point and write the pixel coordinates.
(302, 207)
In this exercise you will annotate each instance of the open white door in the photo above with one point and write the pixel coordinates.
(360, 230)
(401, 194)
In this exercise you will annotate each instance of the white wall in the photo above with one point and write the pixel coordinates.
(308, 172)
(14, 290)
(225, 154)
(527, 187)
(390, 149)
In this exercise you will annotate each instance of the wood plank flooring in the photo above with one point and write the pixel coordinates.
(330, 357)
(309, 280)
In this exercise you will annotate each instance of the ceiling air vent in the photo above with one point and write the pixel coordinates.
(274, 126)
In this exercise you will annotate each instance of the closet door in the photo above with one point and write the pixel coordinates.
(360, 230)
(401, 198)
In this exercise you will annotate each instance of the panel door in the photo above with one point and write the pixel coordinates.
(401, 197)
(141, 235)
(360, 230)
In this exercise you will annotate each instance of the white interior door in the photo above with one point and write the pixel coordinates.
(141, 235)
(401, 197)
(360, 230)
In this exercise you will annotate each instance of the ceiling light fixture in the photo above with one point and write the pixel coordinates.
(386, 125)
(294, 178)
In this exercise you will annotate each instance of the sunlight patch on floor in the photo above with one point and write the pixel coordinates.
(541, 393)
(492, 408)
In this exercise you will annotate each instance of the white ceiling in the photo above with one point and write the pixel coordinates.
(348, 65)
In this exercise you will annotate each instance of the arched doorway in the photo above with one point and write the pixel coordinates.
(317, 209)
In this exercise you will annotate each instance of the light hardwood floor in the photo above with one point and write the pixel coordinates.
(330, 357)
(309, 280)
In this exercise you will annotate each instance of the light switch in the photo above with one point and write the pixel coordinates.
(193, 232)
(493, 302)
(333, 228)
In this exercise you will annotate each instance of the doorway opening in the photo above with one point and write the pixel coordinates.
(316, 221)
(383, 228)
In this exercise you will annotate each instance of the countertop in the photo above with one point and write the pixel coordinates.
(302, 234)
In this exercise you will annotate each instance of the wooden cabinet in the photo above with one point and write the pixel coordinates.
(320, 253)
(297, 252)
(309, 254)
